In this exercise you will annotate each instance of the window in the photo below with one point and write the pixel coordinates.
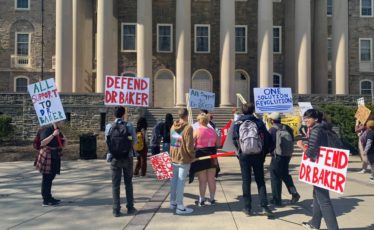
(22, 44)
(329, 7)
(164, 38)
(277, 80)
(365, 49)
(366, 87)
(329, 86)
(241, 39)
(366, 8)
(21, 84)
(329, 49)
(128, 42)
(102, 121)
(202, 38)
(277, 39)
(22, 4)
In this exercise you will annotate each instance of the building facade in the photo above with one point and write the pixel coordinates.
(222, 46)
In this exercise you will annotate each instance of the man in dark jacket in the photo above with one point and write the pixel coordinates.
(255, 161)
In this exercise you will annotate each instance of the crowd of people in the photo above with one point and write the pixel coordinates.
(186, 143)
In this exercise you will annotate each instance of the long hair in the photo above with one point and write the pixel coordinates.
(168, 121)
(141, 124)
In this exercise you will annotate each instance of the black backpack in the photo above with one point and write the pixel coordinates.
(333, 139)
(119, 140)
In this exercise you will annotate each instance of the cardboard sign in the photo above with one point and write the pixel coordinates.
(362, 114)
(269, 100)
(201, 99)
(304, 106)
(47, 102)
(328, 172)
(161, 164)
(361, 101)
(293, 122)
(126, 91)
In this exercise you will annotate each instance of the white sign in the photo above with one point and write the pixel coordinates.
(130, 91)
(47, 102)
(304, 106)
(202, 99)
(269, 100)
(360, 101)
(329, 171)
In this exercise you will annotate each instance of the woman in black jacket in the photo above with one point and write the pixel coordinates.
(322, 206)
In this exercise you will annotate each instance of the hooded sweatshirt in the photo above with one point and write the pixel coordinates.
(182, 152)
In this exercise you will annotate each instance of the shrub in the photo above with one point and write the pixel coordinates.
(6, 128)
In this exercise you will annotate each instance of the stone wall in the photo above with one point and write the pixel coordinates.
(88, 113)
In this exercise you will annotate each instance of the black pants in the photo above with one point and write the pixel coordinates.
(279, 172)
(47, 186)
(246, 164)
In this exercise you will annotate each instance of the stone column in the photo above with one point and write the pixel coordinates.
(183, 50)
(63, 72)
(144, 40)
(104, 52)
(289, 41)
(340, 46)
(227, 52)
(265, 43)
(319, 51)
(303, 45)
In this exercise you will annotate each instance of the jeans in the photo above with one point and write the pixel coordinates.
(180, 172)
(47, 186)
(166, 147)
(118, 167)
(257, 163)
(322, 207)
(279, 172)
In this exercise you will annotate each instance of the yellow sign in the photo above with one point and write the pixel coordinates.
(294, 122)
(362, 114)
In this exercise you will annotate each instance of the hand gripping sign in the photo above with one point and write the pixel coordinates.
(329, 171)
(161, 164)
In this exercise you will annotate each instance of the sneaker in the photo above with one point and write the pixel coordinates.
(117, 213)
(184, 211)
(247, 211)
(362, 171)
(55, 200)
(49, 203)
(371, 179)
(295, 198)
(308, 226)
(131, 211)
(266, 212)
(200, 204)
(173, 206)
(211, 202)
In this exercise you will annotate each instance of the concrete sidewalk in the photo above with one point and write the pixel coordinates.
(85, 188)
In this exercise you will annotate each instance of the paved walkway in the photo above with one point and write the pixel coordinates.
(85, 188)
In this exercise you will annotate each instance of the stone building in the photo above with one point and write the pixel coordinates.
(223, 46)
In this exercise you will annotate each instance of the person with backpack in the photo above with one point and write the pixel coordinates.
(182, 154)
(369, 147)
(141, 147)
(281, 156)
(322, 206)
(120, 138)
(252, 141)
(49, 141)
(157, 131)
(166, 132)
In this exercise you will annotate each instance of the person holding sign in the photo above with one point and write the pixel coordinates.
(49, 160)
(322, 206)
(141, 147)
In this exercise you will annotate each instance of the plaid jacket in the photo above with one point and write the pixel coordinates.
(43, 162)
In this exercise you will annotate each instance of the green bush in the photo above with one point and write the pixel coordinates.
(343, 117)
(5, 126)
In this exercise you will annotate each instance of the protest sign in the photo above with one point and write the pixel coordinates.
(273, 100)
(130, 91)
(47, 102)
(361, 101)
(224, 132)
(362, 114)
(228, 145)
(329, 171)
(304, 106)
(201, 99)
(161, 164)
(293, 122)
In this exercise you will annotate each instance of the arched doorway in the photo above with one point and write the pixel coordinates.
(242, 85)
(202, 80)
(164, 89)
